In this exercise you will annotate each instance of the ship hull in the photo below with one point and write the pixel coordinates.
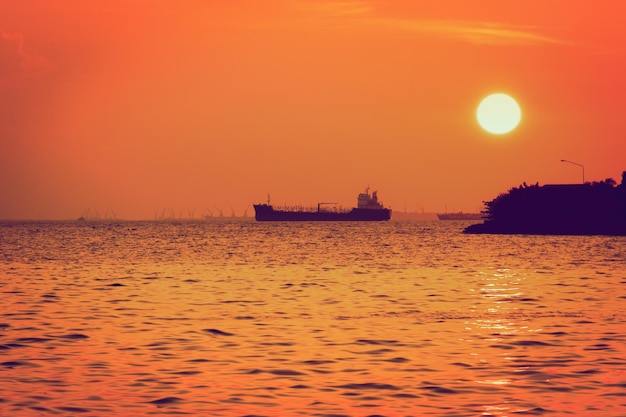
(265, 212)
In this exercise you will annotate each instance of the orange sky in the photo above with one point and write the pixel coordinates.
(136, 107)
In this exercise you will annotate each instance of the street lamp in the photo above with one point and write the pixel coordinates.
(576, 163)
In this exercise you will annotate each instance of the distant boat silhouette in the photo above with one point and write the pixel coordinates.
(368, 209)
(460, 216)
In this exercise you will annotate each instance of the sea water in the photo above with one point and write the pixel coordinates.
(238, 318)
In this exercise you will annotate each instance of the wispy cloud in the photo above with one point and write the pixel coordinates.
(488, 33)
(11, 51)
(363, 12)
(16, 64)
(339, 8)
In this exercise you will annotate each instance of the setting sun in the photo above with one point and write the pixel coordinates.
(498, 113)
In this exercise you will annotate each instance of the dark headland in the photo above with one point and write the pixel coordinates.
(592, 208)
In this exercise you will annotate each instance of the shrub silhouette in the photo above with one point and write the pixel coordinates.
(590, 208)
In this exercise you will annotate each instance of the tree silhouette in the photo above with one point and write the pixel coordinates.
(590, 208)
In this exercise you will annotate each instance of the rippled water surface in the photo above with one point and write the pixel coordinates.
(238, 318)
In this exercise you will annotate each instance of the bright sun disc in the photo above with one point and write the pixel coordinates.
(498, 113)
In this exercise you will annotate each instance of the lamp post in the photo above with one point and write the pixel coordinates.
(576, 163)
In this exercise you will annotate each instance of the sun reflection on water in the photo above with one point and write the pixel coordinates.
(498, 324)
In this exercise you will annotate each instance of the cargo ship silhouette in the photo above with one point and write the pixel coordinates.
(369, 208)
